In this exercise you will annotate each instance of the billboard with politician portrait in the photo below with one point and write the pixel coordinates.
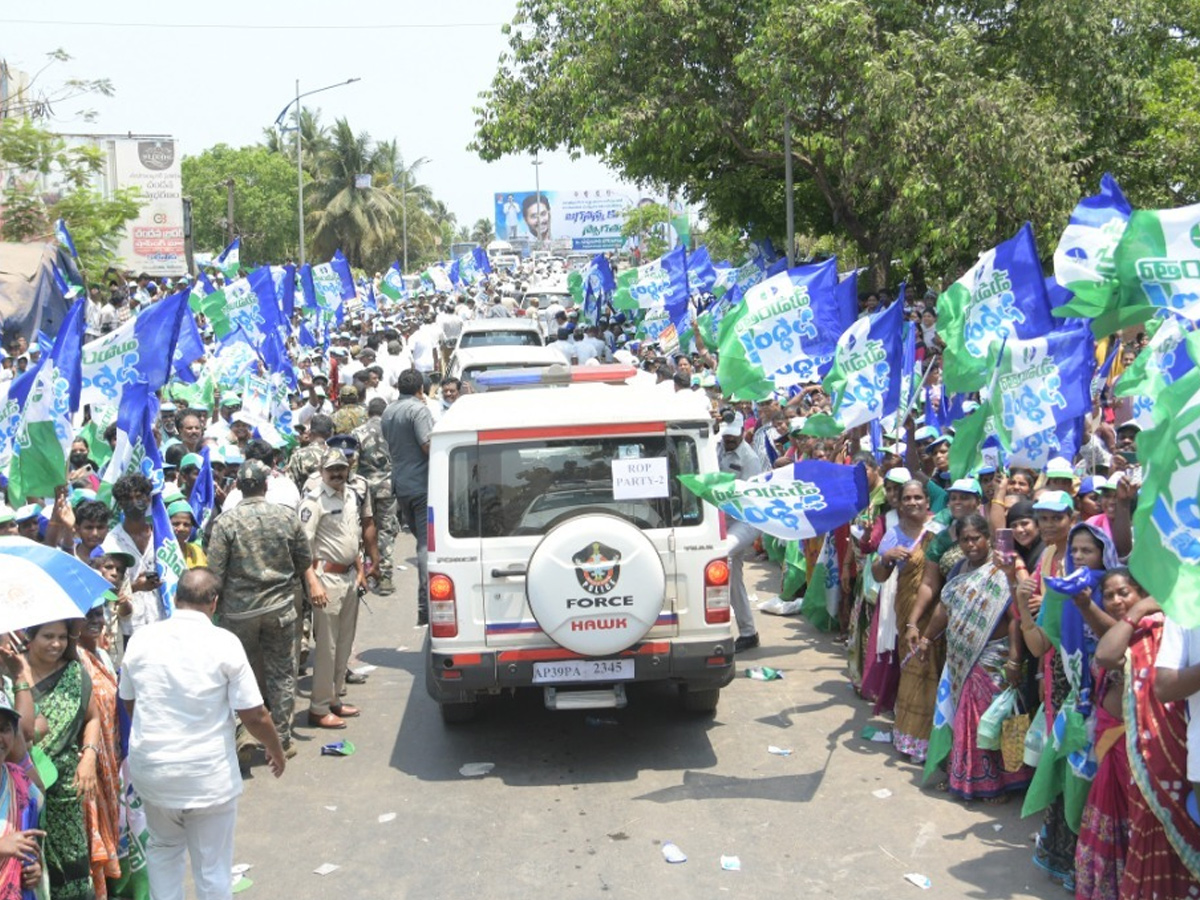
(589, 219)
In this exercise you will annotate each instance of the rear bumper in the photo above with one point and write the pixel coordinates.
(459, 677)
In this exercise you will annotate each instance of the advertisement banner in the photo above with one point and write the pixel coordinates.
(590, 219)
(153, 242)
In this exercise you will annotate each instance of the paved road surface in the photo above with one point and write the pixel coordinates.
(579, 810)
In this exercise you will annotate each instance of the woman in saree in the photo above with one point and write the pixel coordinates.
(981, 660)
(880, 665)
(1162, 859)
(101, 810)
(67, 730)
(20, 802)
(902, 550)
(1062, 635)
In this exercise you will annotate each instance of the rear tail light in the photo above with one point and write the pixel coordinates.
(722, 524)
(716, 592)
(443, 610)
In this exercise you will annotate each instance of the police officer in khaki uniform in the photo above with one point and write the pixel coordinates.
(331, 516)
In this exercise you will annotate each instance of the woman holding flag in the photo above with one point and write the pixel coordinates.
(902, 559)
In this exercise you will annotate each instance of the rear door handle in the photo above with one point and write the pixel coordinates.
(511, 572)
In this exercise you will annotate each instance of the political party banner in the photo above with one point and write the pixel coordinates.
(743, 277)
(1158, 264)
(865, 379)
(793, 502)
(153, 242)
(1084, 260)
(781, 333)
(1164, 361)
(1166, 523)
(392, 285)
(332, 282)
(590, 219)
(229, 262)
(660, 283)
(1041, 383)
(700, 271)
(1003, 296)
(143, 349)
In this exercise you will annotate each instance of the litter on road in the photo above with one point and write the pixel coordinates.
(871, 733)
(778, 751)
(338, 748)
(387, 817)
(731, 864)
(476, 770)
(673, 854)
(882, 793)
(920, 881)
(326, 868)
(763, 673)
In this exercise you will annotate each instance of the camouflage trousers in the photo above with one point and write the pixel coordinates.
(270, 643)
(387, 525)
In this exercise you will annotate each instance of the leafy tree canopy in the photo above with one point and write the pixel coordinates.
(264, 201)
(921, 132)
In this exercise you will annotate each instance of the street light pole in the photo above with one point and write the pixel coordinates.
(299, 159)
(404, 205)
(537, 186)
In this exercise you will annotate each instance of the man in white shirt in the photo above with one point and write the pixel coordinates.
(739, 459)
(182, 680)
(1177, 677)
(422, 345)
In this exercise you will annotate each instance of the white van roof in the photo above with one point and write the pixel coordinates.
(575, 405)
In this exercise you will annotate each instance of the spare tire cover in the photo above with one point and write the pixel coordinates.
(595, 584)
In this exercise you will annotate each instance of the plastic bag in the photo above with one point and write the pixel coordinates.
(777, 606)
(1035, 737)
(992, 721)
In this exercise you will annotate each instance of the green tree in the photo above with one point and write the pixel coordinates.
(648, 224)
(264, 201)
(482, 232)
(363, 222)
(921, 133)
(29, 153)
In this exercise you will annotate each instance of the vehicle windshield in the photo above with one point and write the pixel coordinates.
(522, 337)
(502, 490)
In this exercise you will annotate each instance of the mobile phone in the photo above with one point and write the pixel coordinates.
(1005, 544)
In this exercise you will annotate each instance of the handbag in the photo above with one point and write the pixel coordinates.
(1012, 741)
(992, 721)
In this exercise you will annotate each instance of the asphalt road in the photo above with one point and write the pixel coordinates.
(579, 809)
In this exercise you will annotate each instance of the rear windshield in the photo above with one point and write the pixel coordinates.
(500, 490)
(516, 338)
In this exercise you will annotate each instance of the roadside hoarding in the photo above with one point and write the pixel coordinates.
(589, 219)
(153, 242)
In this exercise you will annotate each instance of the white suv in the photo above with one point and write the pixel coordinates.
(565, 554)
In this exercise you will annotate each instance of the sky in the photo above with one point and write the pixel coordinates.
(220, 72)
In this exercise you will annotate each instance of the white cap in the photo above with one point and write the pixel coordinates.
(736, 428)
(898, 475)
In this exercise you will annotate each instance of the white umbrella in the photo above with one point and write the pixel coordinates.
(40, 584)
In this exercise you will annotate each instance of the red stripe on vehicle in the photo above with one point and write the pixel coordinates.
(552, 432)
(555, 653)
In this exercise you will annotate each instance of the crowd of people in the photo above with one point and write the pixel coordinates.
(950, 602)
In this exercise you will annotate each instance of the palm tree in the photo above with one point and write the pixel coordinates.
(362, 221)
(483, 233)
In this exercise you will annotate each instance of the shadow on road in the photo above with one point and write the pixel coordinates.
(533, 746)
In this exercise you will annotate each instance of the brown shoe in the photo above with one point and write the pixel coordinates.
(346, 711)
(329, 720)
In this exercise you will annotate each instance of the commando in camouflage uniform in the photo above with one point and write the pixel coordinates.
(375, 465)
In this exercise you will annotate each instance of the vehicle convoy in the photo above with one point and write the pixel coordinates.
(565, 555)
(506, 331)
(470, 363)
